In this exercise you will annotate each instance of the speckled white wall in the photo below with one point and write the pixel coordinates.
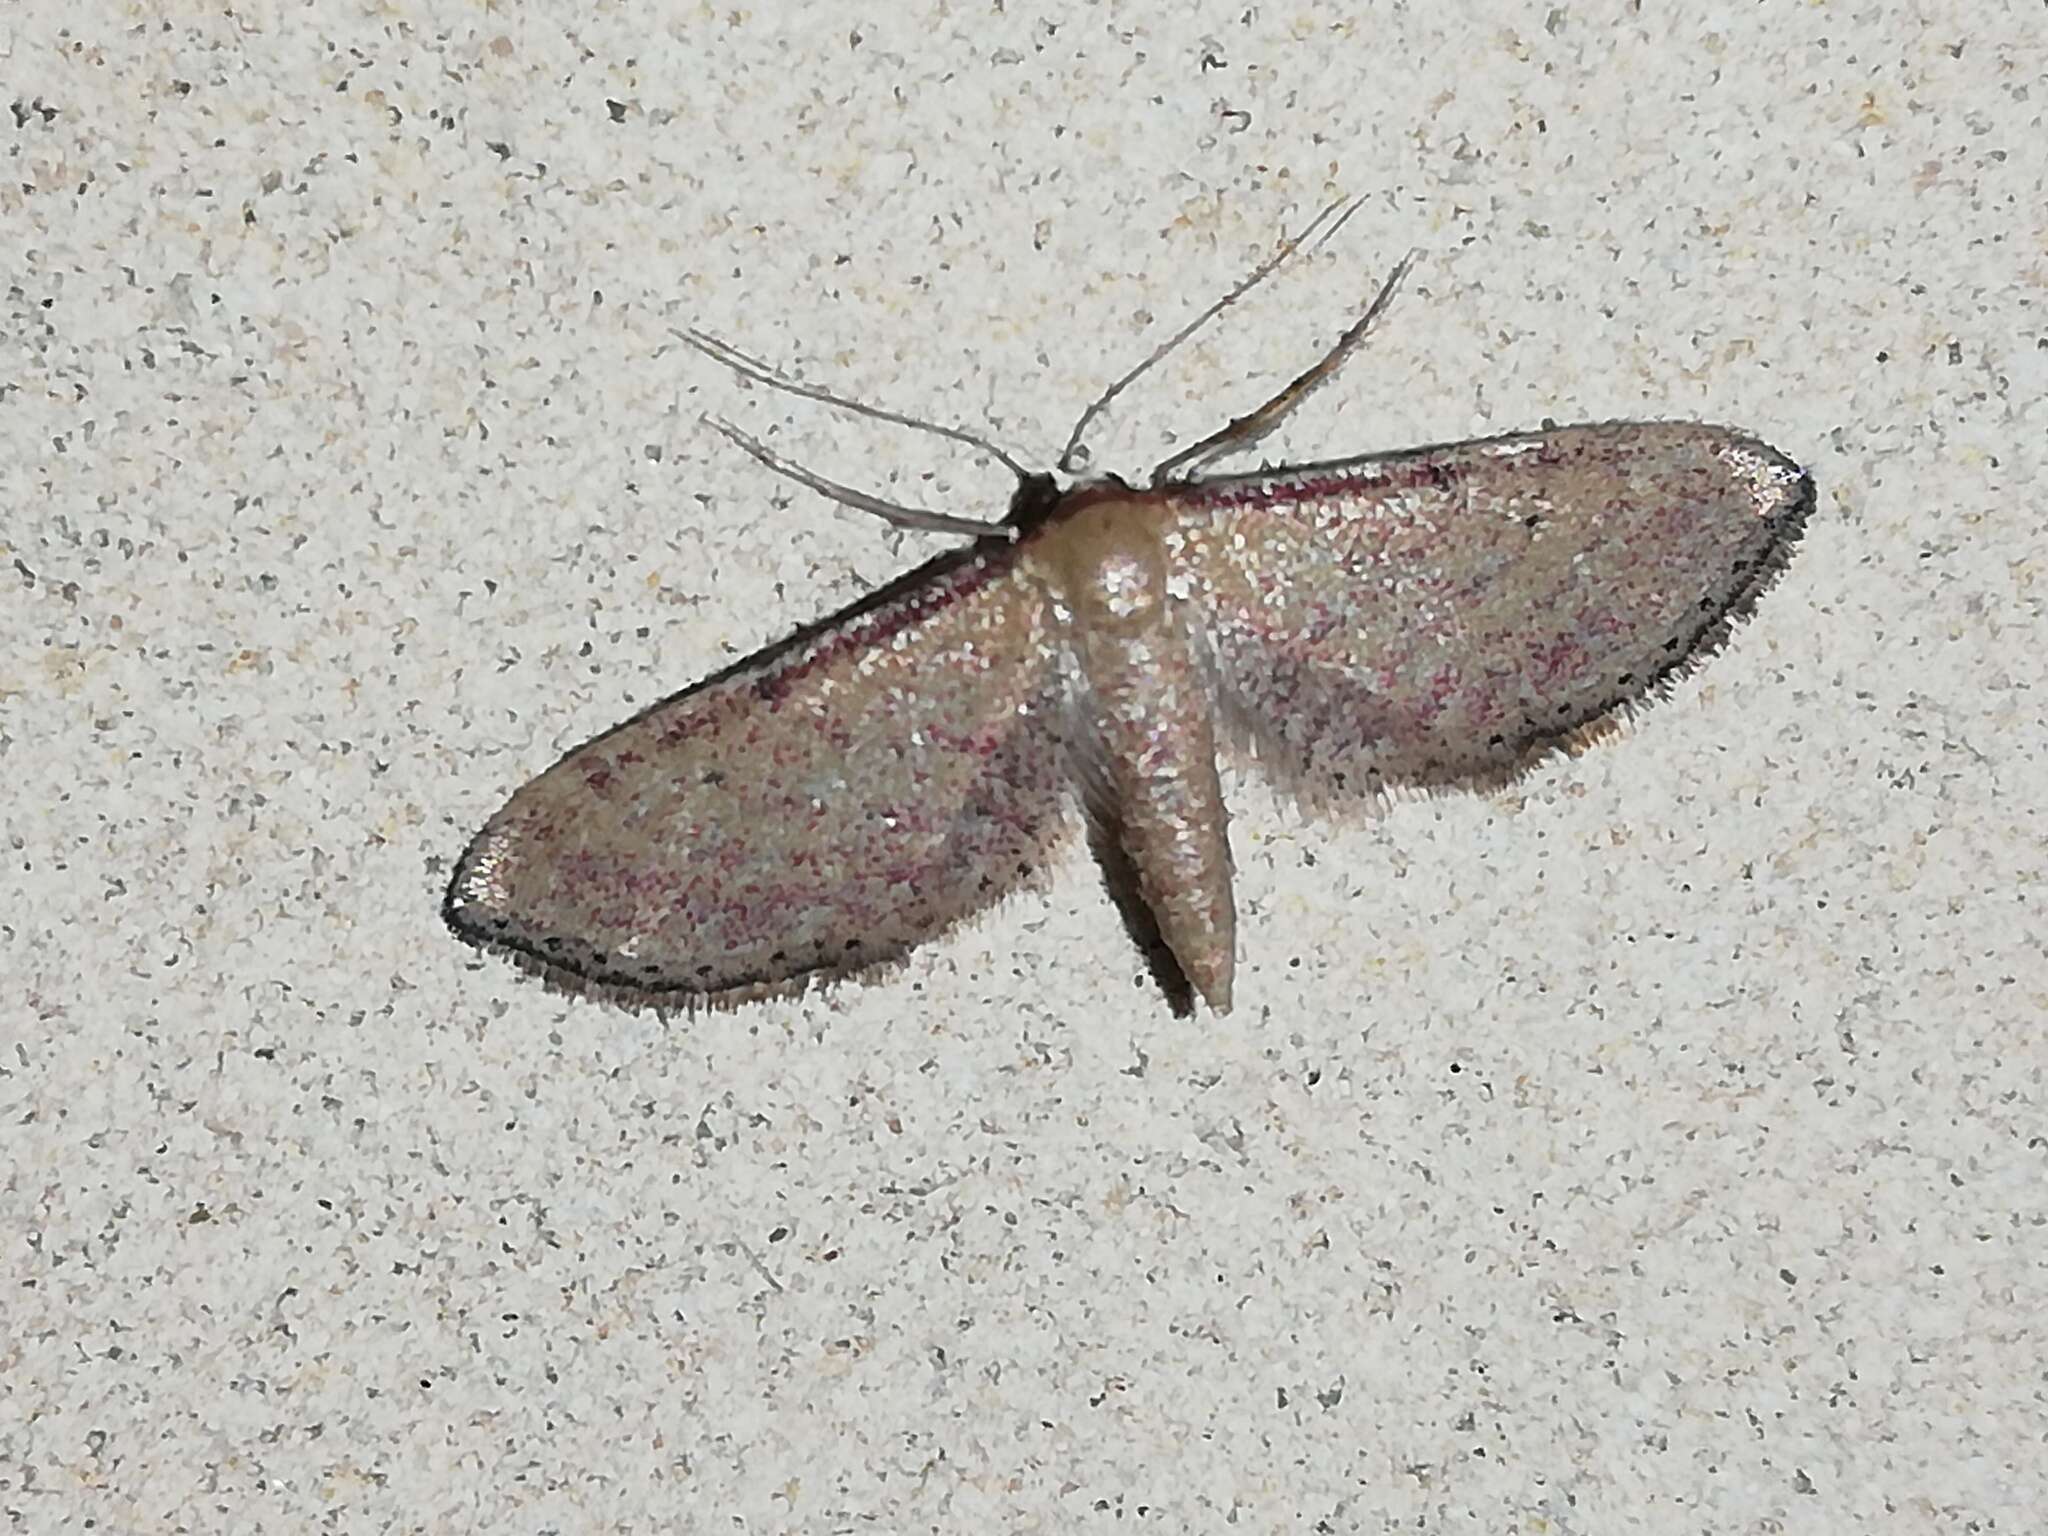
(1658, 1146)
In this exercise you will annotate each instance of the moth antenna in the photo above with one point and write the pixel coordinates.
(1074, 454)
(1250, 428)
(753, 368)
(912, 518)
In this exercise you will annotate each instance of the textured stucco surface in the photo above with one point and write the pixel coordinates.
(1659, 1146)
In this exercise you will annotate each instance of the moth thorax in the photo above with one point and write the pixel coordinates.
(1110, 566)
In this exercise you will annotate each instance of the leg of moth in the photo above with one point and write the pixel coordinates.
(1254, 426)
(911, 519)
(1146, 735)
(1075, 455)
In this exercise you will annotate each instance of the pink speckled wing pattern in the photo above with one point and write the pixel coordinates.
(1440, 617)
(814, 811)
(1433, 618)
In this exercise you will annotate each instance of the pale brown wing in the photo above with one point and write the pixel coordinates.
(1443, 616)
(816, 810)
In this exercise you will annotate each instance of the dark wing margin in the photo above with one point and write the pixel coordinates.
(810, 813)
(1444, 617)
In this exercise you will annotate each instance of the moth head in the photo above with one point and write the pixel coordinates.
(1106, 561)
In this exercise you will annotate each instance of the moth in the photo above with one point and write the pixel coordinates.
(1433, 618)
